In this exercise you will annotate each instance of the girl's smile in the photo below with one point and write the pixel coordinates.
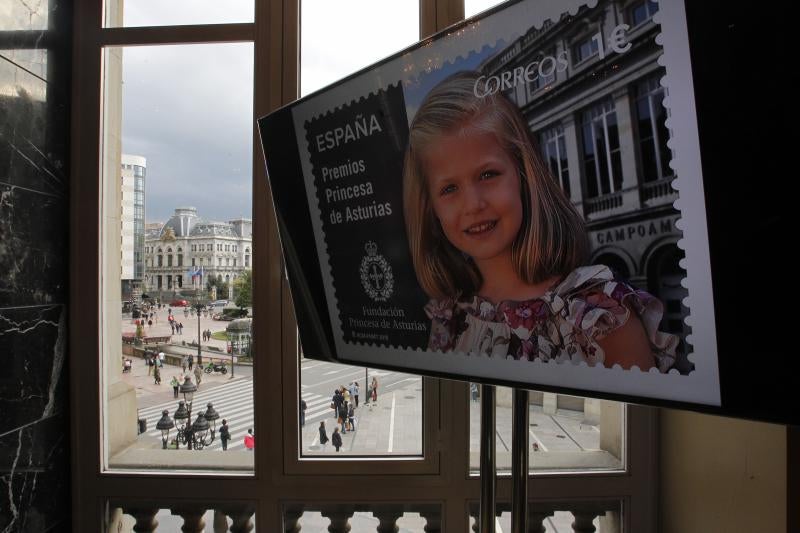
(474, 187)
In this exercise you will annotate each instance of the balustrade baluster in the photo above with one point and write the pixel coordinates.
(584, 521)
(291, 519)
(433, 520)
(220, 522)
(339, 519)
(145, 519)
(240, 516)
(387, 518)
(536, 520)
(192, 519)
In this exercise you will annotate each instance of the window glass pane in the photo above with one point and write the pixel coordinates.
(177, 175)
(566, 433)
(375, 30)
(393, 425)
(473, 7)
(386, 410)
(132, 13)
(23, 16)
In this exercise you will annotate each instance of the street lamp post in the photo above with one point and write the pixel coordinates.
(198, 306)
(198, 434)
(188, 389)
(165, 424)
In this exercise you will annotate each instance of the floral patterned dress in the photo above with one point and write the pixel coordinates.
(564, 324)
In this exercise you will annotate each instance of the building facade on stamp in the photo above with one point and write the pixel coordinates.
(600, 123)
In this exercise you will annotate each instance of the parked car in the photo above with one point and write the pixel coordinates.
(219, 303)
(179, 303)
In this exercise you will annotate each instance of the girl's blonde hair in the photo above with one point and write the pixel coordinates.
(552, 240)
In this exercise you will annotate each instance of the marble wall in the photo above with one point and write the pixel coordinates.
(35, 49)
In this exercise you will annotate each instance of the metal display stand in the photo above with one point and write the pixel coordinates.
(486, 514)
(519, 461)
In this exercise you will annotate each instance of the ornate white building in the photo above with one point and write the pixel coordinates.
(187, 250)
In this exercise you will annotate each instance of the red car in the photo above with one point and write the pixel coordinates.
(179, 303)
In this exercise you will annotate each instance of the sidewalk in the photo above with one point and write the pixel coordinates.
(148, 393)
(392, 426)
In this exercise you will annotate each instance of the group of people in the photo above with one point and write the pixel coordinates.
(155, 362)
(206, 335)
(177, 327)
(344, 403)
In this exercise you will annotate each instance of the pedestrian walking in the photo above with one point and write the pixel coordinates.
(156, 375)
(184, 363)
(174, 382)
(374, 390)
(343, 416)
(160, 359)
(149, 359)
(224, 434)
(473, 388)
(250, 440)
(191, 361)
(351, 417)
(149, 323)
(336, 401)
(303, 407)
(323, 435)
(354, 392)
(346, 393)
(172, 326)
(336, 439)
(198, 375)
(180, 328)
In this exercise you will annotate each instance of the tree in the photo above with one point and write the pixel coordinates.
(243, 288)
(222, 286)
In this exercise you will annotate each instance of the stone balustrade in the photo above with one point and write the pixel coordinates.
(142, 516)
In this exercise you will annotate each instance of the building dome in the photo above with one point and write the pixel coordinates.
(181, 223)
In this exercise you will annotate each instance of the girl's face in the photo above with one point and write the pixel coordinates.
(474, 188)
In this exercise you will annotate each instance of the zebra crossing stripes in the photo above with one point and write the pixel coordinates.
(233, 402)
(317, 406)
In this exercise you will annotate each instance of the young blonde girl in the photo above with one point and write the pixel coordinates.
(501, 251)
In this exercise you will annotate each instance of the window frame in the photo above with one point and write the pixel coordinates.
(440, 477)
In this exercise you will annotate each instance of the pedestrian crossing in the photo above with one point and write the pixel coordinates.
(234, 402)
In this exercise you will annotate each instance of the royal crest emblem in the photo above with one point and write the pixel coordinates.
(376, 274)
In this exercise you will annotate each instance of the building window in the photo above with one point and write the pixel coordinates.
(584, 49)
(651, 117)
(247, 261)
(602, 162)
(641, 12)
(180, 260)
(169, 260)
(545, 73)
(193, 261)
(160, 260)
(554, 151)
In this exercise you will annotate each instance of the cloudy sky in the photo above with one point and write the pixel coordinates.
(188, 109)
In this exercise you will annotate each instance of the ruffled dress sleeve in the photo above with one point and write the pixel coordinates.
(443, 324)
(596, 304)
